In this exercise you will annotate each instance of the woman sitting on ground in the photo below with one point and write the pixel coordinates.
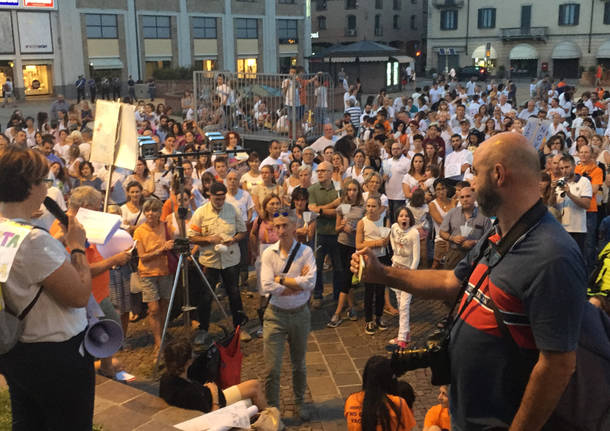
(178, 390)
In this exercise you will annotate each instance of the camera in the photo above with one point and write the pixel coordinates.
(435, 355)
(561, 183)
(181, 245)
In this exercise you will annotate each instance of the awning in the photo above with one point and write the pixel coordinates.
(373, 59)
(566, 50)
(479, 52)
(340, 59)
(523, 51)
(604, 50)
(158, 58)
(106, 63)
(404, 59)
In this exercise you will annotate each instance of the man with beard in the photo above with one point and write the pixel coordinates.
(537, 286)
(463, 226)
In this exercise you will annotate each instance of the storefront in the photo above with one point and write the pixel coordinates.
(482, 58)
(523, 60)
(566, 58)
(6, 71)
(247, 65)
(37, 79)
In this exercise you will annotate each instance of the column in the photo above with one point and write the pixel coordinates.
(306, 44)
(184, 36)
(132, 38)
(270, 43)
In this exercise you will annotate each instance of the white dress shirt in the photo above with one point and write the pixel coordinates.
(273, 263)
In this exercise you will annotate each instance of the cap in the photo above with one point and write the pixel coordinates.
(217, 187)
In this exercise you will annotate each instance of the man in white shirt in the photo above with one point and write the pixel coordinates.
(436, 93)
(470, 86)
(328, 138)
(528, 111)
(287, 317)
(347, 96)
(572, 199)
(241, 200)
(473, 106)
(458, 160)
(395, 169)
(555, 108)
(583, 113)
(505, 107)
(456, 119)
(273, 159)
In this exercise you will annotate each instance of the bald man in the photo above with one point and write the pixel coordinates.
(538, 288)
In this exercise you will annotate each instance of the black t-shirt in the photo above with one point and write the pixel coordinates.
(182, 393)
(539, 288)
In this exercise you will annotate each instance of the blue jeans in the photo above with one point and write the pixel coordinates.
(327, 244)
(280, 326)
(591, 241)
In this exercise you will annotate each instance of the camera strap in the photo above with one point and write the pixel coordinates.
(495, 253)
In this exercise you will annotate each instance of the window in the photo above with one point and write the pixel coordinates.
(526, 16)
(351, 22)
(320, 4)
(321, 23)
(378, 4)
(287, 31)
(568, 14)
(286, 1)
(413, 22)
(607, 13)
(204, 28)
(487, 18)
(397, 4)
(101, 26)
(378, 28)
(155, 27)
(449, 19)
(247, 66)
(396, 22)
(246, 28)
(351, 4)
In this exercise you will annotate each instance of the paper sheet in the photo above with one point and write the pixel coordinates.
(236, 415)
(99, 226)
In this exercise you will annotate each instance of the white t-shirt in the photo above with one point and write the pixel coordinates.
(454, 162)
(573, 217)
(436, 94)
(161, 185)
(396, 170)
(321, 143)
(242, 201)
(48, 321)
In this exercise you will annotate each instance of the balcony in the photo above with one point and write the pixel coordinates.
(351, 32)
(526, 33)
(444, 4)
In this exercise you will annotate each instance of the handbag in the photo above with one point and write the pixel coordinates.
(229, 370)
(11, 324)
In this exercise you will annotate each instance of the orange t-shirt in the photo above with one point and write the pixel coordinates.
(148, 240)
(100, 284)
(353, 413)
(596, 176)
(439, 416)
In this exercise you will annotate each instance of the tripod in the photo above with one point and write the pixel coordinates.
(181, 246)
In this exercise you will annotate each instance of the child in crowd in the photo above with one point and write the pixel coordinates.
(418, 207)
(437, 418)
(404, 238)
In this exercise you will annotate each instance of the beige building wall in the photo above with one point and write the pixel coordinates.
(589, 34)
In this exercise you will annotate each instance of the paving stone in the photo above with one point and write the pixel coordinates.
(321, 386)
(115, 391)
(332, 348)
(101, 404)
(346, 391)
(327, 337)
(312, 347)
(119, 418)
(314, 358)
(99, 379)
(174, 415)
(146, 404)
(360, 362)
(155, 426)
(317, 370)
(343, 379)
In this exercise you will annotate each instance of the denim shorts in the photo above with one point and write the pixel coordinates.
(155, 288)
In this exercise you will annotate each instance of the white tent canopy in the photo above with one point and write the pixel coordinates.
(479, 52)
(566, 50)
(523, 51)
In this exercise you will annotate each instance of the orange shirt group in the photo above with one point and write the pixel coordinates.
(596, 176)
(353, 413)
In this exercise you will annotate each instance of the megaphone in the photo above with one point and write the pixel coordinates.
(103, 337)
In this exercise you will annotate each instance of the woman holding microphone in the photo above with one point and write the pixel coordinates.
(51, 384)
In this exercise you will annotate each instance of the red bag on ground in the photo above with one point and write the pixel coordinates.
(229, 373)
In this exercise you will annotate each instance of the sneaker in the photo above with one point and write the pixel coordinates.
(244, 336)
(370, 328)
(201, 338)
(316, 303)
(302, 412)
(381, 325)
(334, 321)
(351, 315)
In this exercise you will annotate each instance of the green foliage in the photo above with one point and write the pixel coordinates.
(173, 74)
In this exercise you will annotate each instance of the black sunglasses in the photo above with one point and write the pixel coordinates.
(281, 214)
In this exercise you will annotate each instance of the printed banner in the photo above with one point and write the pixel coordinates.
(104, 132)
(12, 235)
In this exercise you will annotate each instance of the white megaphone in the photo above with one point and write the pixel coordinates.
(103, 337)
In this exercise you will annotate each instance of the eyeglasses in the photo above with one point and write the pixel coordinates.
(281, 214)
(322, 170)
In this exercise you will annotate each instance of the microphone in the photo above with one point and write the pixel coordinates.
(57, 212)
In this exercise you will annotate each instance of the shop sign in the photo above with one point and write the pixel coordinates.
(9, 3)
(35, 32)
(39, 3)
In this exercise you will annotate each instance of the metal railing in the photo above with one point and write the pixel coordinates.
(263, 105)
(524, 33)
(351, 32)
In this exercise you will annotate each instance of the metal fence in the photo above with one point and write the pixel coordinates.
(264, 105)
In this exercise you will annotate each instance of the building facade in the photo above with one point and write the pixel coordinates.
(44, 48)
(519, 37)
(398, 23)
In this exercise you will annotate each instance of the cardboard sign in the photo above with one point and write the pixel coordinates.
(128, 149)
(104, 132)
(535, 131)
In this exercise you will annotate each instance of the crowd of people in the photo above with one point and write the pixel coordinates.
(395, 176)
